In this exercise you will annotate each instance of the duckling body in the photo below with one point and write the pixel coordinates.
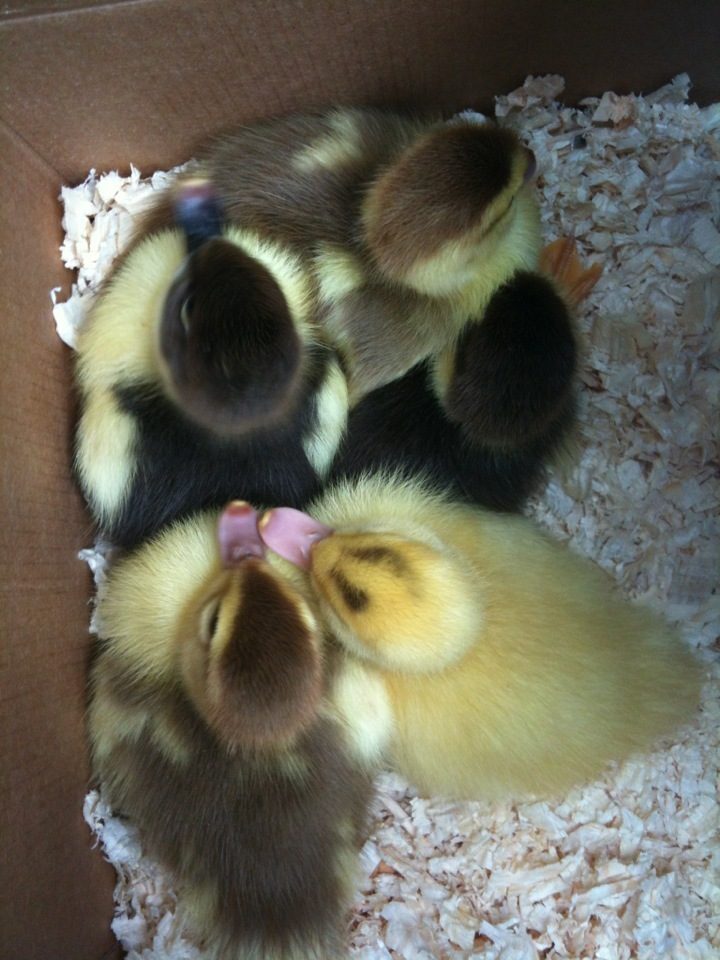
(327, 255)
(484, 418)
(213, 727)
(511, 666)
(180, 413)
(409, 224)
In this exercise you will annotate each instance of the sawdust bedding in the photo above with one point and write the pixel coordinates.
(629, 866)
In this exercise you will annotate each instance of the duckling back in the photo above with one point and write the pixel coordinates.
(211, 727)
(408, 223)
(202, 377)
(564, 677)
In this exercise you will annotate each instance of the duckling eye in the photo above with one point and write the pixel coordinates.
(186, 312)
(209, 620)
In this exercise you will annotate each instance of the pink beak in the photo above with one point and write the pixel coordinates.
(291, 534)
(238, 536)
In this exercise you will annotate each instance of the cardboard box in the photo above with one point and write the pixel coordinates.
(87, 83)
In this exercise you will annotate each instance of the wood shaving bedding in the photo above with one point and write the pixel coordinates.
(628, 866)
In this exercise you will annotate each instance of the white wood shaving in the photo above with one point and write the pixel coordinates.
(629, 866)
(99, 218)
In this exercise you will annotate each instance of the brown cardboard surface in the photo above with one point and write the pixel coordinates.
(55, 895)
(142, 81)
(16, 9)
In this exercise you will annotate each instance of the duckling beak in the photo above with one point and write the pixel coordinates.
(198, 212)
(238, 536)
(292, 534)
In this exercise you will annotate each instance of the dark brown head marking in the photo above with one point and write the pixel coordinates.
(380, 555)
(267, 681)
(229, 340)
(437, 191)
(355, 598)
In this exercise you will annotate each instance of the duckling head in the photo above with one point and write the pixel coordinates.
(201, 611)
(250, 647)
(402, 603)
(455, 199)
(230, 352)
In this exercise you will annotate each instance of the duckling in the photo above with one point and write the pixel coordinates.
(486, 416)
(214, 725)
(202, 376)
(410, 224)
(511, 666)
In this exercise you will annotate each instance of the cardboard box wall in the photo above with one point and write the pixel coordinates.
(87, 84)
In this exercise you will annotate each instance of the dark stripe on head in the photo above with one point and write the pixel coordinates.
(380, 555)
(268, 680)
(355, 598)
(229, 340)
